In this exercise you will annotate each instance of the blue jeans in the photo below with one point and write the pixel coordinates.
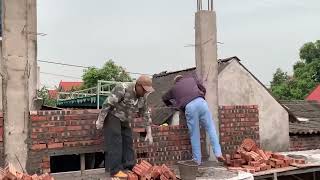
(197, 112)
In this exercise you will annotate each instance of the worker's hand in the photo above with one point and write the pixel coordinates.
(149, 138)
(99, 125)
(149, 135)
(221, 159)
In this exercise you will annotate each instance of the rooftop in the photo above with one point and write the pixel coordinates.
(305, 116)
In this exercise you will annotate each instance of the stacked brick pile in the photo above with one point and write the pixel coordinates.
(237, 122)
(10, 173)
(146, 171)
(171, 144)
(250, 158)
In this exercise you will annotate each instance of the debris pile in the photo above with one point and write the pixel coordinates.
(250, 158)
(10, 173)
(146, 171)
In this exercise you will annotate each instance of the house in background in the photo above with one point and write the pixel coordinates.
(304, 124)
(236, 86)
(314, 95)
(69, 86)
(64, 86)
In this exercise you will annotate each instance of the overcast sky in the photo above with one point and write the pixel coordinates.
(149, 36)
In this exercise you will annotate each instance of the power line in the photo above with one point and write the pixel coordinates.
(60, 75)
(63, 64)
(85, 67)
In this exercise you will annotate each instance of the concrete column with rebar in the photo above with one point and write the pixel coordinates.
(206, 59)
(15, 72)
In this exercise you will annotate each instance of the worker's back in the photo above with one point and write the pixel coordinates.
(185, 90)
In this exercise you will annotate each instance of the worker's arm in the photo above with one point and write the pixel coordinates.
(167, 98)
(115, 97)
(146, 114)
(199, 84)
(202, 88)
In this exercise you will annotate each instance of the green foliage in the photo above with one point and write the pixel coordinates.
(109, 72)
(44, 94)
(306, 75)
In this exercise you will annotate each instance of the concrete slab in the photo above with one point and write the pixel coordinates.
(209, 170)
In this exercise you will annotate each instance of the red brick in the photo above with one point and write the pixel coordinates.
(236, 162)
(26, 177)
(45, 159)
(268, 154)
(136, 169)
(57, 129)
(45, 165)
(271, 163)
(254, 163)
(288, 160)
(237, 156)
(74, 128)
(38, 118)
(278, 161)
(249, 169)
(262, 154)
(162, 177)
(1, 134)
(39, 146)
(278, 156)
(300, 161)
(71, 144)
(55, 145)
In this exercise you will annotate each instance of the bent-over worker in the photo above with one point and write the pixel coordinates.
(125, 100)
(188, 95)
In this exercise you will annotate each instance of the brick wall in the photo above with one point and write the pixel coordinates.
(2, 161)
(73, 132)
(56, 133)
(236, 124)
(303, 142)
(171, 144)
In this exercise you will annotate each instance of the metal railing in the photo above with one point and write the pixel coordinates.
(103, 89)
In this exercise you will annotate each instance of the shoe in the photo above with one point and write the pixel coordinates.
(120, 174)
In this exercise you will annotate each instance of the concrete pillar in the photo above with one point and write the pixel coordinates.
(38, 78)
(1, 110)
(15, 78)
(32, 51)
(206, 60)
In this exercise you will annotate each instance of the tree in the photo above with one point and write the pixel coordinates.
(44, 94)
(279, 85)
(109, 72)
(310, 51)
(306, 75)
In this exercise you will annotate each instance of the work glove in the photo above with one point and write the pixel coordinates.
(99, 125)
(149, 137)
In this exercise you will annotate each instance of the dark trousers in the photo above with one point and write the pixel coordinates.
(119, 153)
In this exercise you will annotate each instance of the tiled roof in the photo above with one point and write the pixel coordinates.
(68, 86)
(162, 82)
(314, 95)
(306, 116)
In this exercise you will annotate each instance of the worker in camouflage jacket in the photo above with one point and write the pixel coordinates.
(125, 100)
